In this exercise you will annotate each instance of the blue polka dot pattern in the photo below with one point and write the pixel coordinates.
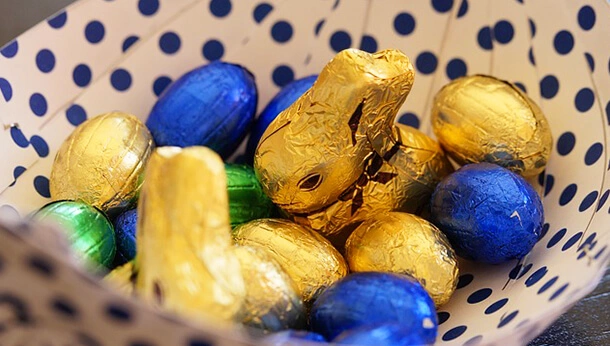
(128, 42)
(586, 17)
(169, 43)
(10, 50)
(17, 172)
(6, 89)
(442, 316)
(584, 99)
(473, 341)
(503, 31)
(456, 68)
(40, 146)
(340, 40)
(559, 291)
(213, 50)
(463, 9)
(368, 44)
(281, 31)
(563, 42)
(524, 270)
(64, 307)
(220, 8)
(81, 75)
(590, 61)
(41, 266)
(282, 75)
(556, 238)
(76, 114)
(593, 153)
(38, 104)
(19, 138)
(118, 313)
(548, 185)
(426, 62)
(536, 276)
(521, 86)
(532, 27)
(549, 86)
(199, 342)
(602, 200)
(404, 23)
(496, 306)
(45, 60)
(442, 6)
(505, 320)
(161, 84)
(59, 20)
(543, 232)
(573, 239)
(547, 285)
(565, 143)
(41, 185)
(148, 7)
(454, 333)
(409, 119)
(120, 79)
(261, 11)
(479, 296)
(464, 280)
(567, 194)
(530, 56)
(484, 38)
(588, 201)
(95, 31)
(318, 27)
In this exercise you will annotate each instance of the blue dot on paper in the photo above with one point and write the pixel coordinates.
(565, 143)
(261, 11)
(41, 185)
(318, 27)
(559, 291)
(532, 27)
(547, 285)
(76, 114)
(584, 99)
(213, 50)
(456, 68)
(454, 333)
(586, 17)
(503, 31)
(464, 280)
(475, 340)
(160, 84)
(524, 270)
(479, 295)
(594, 153)
(602, 200)
(536, 276)
(220, 8)
(40, 146)
(404, 23)
(590, 61)
(81, 75)
(95, 31)
(281, 31)
(10, 50)
(556, 238)
(148, 7)
(505, 320)
(442, 6)
(484, 38)
(530, 56)
(567, 194)
(118, 313)
(6, 89)
(520, 86)
(496, 306)
(426, 62)
(128, 42)
(38, 104)
(19, 138)
(463, 9)
(573, 239)
(563, 42)
(549, 86)
(443, 316)
(282, 75)
(17, 172)
(340, 40)
(368, 44)
(169, 43)
(45, 60)
(544, 230)
(120, 79)
(59, 20)
(409, 119)
(548, 184)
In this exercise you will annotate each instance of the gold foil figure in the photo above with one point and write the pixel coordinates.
(485, 119)
(186, 260)
(272, 300)
(122, 278)
(102, 162)
(405, 244)
(334, 156)
(309, 259)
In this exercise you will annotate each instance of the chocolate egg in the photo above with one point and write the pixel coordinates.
(102, 162)
(247, 201)
(485, 119)
(272, 301)
(88, 230)
(125, 232)
(211, 106)
(310, 260)
(372, 298)
(405, 244)
(489, 213)
(381, 334)
(186, 259)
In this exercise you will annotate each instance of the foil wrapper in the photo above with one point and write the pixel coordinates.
(102, 162)
(311, 261)
(335, 156)
(489, 213)
(122, 278)
(405, 244)
(272, 300)
(372, 298)
(212, 106)
(88, 230)
(381, 334)
(125, 232)
(484, 119)
(247, 201)
(186, 259)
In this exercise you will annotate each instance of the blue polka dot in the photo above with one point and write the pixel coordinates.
(76, 115)
(463, 9)
(318, 27)
(41, 265)
(18, 137)
(336, 4)
(426, 62)
(404, 23)
(559, 291)
(340, 40)
(17, 172)
(282, 75)
(118, 313)
(496, 306)
(442, 6)
(409, 119)
(584, 99)
(81, 75)
(548, 184)
(213, 50)
(566, 143)
(484, 38)
(520, 86)
(10, 49)
(573, 239)
(281, 31)
(454, 333)
(128, 42)
(532, 27)
(220, 8)
(59, 20)
(169, 43)
(547, 285)
(368, 44)
(563, 42)
(590, 61)
(45, 60)
(549, 86)
(95, 31)
(261, 11)
(443, 316)
(38, 104)
(530, 56)
(479, 296)
(41, 185)
(161, 84)
(120, 79)
(586, 17)
(581, 255)
(6, 89)
(40, 146)
(473, 341)
(594, 153)
(515, 271)
(505, 320)
(600, 252)
(567, 194)
(602, 200)
(503, 31)
(64, 307)
(148, 7)
(608, 112)
(456, 68)
(464, 280)
(587, 241)
(536, 276)
(199, 342)
(556, 238)
(543, 231)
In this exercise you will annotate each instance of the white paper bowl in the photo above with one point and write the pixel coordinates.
(98, 56)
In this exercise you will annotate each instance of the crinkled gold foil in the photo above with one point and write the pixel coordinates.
(102, 162)
(186, 260)
(405, 244)
(335, 156)
(272, 300)
(122, 278)
(485, 119)
(311, 261)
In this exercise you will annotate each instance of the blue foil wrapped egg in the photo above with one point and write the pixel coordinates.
(289, 93)
(125, 232)
(292, 337)
(382, 334)
(488, 213)
(374, 298)
(212, 106)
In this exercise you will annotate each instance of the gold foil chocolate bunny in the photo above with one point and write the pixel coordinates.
(335, 156)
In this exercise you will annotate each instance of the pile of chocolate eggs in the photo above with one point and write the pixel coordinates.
(337, 226)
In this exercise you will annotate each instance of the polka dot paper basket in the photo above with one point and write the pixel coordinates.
(97, 56)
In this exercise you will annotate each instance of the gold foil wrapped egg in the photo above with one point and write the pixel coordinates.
(309, 259)
(272, 300)
(484, 119)
(405, 244)
(186, 260)
(102, 162)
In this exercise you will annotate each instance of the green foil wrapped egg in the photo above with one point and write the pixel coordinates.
(87, 228)
(247, 201)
